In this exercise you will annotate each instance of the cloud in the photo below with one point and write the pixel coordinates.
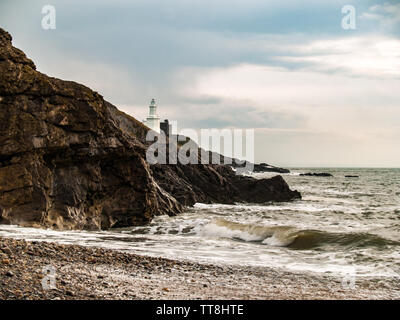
(295, 99)
(386, 15)
(300, 148)
(315, 92)
(369, 56)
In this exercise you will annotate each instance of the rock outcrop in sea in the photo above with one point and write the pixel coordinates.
(71, 160)
(316, 174)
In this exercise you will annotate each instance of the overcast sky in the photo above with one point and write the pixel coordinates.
(317, 95)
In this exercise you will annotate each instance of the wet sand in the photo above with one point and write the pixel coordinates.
(95, 273)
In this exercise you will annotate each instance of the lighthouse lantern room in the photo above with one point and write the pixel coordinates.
(153, 121)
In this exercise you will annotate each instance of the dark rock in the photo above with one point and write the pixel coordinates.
(263, 167)
(69, 293)
(237, 164)
(9, 274)
(7, 251)
(64, 162)
(350, 176)
(70, 160)
(321, 174)
(219, 184)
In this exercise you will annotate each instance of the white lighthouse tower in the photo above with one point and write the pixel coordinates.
(153, 121)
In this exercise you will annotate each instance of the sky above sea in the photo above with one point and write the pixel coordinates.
(315, 93)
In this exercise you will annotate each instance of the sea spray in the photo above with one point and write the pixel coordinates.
(288, 236)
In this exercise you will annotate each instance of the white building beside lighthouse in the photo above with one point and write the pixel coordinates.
(153, 121)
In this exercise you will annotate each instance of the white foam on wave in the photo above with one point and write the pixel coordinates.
(272, 235)
(292, 207)
(278, 240)
(210, 244)
(215, 230)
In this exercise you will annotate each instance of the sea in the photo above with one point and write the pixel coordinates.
(340, 226)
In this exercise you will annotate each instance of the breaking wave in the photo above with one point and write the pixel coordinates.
(292, 237)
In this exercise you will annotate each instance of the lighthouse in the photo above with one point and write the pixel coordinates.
(153, 121)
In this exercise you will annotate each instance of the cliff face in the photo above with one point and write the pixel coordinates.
(219, 184)
(64, 162)
(70, 160)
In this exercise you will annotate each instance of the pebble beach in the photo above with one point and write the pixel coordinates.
(96, 273)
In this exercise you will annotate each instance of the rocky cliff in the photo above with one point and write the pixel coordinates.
(70, 160)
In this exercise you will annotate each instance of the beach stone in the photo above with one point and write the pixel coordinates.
(7, 250)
